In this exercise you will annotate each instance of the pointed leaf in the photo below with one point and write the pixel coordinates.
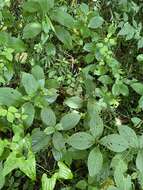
(74, 102)
(40, 140)
(115, 142)
(139, 161)
(96, 22)
(58, 141)
(95, 161)
(81, 140)
(29, 111)
(48, 183)
(28, 166)
(9, 96)
(70, 120)
(29, 82)
(64, 171)
(48, 116)
(138, 87)
(64, 36)
(62, 18)
(31, 30)
(130, 135)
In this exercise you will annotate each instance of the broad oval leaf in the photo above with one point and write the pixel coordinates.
(96, 125)
(38, 74)
(70, 120)
(138, 87)
(120, 88)
(29, 111)
(74, 102)
(31, 30)
(29, 82)
(139, 161)
(58, 141)
(31, 6)
(62, 18)
(95, 162)
(140, 57)
(48, 116)
(9, 96)
(81, 140)
(130, 136)
(96, 22)
(46, 5)
(115, 142)
(40, 140)
(64, 36)
(16, 44)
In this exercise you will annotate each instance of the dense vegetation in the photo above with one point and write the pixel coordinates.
(71, 95)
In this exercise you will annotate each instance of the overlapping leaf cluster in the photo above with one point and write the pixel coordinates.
(71, 95)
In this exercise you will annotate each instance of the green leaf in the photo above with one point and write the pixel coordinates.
(115, 142)
(127, 30)
(136, 120)
(120, 88)
(139, 161)
(3, 144)
(49, 130)
(82, 184)
(62, 18)
(4, 38)
(96, 125)
(105, 79)
(46, 5)
(10, 164)
(90, 47)
(28, 166)
(74, 102)
(48, 183)
(51, 95)
(58, 141)
(140, 43)
(16, 44)
(29, 82)
(81, 140)
(120, 168)
(130, 135)
(84, 8)
(140, 102)
(137, 87)
(9, 96)
(64, 172)
(40, 140)
(70, 120)
(2, 178)
(96, 22)
(10, 117)
(122, 182)
(29, 111)
(31, 30)
(95, 162)
(112, 188)
(64, 36)
(48, 116)
(95, 121)
(31, 6)
(140, 57)
(38, 74)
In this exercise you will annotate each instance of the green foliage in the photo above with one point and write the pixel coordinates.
(71, 95)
